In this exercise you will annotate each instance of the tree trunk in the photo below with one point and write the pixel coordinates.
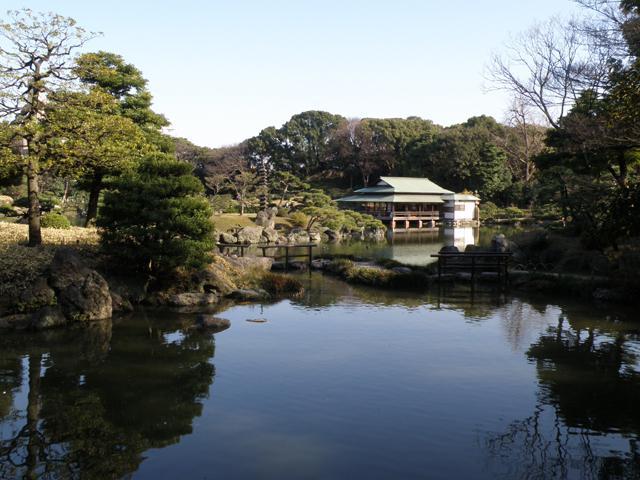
(65, 195)
(33, 190)
(33, 416)
(94, 196)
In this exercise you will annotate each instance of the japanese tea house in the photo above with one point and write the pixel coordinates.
(405, 203)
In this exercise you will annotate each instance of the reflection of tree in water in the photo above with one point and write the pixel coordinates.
(586, 411)
(96, 403)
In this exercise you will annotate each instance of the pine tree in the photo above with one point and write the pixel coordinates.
(156, 219)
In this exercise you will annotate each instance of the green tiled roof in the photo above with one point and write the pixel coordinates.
(412, 185)
(406, 190)
(392, 198)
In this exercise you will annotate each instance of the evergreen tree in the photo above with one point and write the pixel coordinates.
(156, 219)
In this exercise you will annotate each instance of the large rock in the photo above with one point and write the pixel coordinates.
(250, 234)
(315, 237)
(6, 201)
(374, 234)
(270, 235)
(449, 249)
(120, 303)
(48, 317)
(214, 279)
(226, 237)
(38, 295)
(212, 324)
(267, 218)
(252, 263)
(500, 244)
(193, 299)
(249, 295)
(298, 235)
(333, 235)
(18, 321)
(83, 295)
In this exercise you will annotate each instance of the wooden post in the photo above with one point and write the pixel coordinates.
(310, 255)
(473, 269)
(440, 260)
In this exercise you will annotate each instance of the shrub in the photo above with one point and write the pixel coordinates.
(278, 284)
(7, 211)
(298, 219)
(547, 212)
(489, 210)
(340, 266)
(514, 212)
(375, 277)
(55, 220)
(155, 219)
(223, 203)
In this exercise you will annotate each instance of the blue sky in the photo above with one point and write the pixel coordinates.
(222, 70)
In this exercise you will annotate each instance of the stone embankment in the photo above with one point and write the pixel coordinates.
(265, 232)
(72, 292)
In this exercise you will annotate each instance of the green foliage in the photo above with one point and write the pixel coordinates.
(122, 81)
(489, 211)
(279, 285)
(298, 219)
(155, 219)
(87, 136)
(55, 220)
(223, 203)
(286, 185)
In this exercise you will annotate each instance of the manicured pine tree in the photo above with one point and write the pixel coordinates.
(155, 219)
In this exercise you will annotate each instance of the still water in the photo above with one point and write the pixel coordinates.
(343, 383)
(416, 248)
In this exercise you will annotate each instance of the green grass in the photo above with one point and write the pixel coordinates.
(227, 221)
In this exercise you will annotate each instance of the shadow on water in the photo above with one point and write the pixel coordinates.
(586, 421)
(88, 403)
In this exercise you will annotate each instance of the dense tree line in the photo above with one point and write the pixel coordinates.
(481, 155)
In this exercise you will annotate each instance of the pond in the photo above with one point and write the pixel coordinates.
(346, 382)
(416, 248)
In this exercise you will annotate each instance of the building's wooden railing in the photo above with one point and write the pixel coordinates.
(429, 215)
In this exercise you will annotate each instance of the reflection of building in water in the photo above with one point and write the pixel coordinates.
(461, 237)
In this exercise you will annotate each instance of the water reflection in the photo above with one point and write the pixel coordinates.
(346, 381)
(84, 403)
(586, 421)
(415, 248)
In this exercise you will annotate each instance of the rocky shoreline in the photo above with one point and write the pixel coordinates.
(73, 291)
(265, 232)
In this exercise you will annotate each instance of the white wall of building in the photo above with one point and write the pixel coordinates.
(462, 211)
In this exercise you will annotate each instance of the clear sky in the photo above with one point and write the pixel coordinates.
(223, 70)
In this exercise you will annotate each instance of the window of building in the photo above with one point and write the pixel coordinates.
(460, 207)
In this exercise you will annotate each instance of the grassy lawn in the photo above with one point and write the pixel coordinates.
(227, 221)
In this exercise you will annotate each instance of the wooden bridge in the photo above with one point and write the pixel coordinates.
(287, 256)
(474, 262)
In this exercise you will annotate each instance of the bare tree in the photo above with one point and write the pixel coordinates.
(548, 67)
(524, 140)
(35, 56)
